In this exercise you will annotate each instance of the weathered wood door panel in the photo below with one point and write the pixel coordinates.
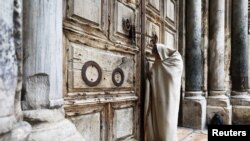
(161, 20)
(102, 68)
(123, 125)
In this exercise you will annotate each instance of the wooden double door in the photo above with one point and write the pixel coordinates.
(104, 45)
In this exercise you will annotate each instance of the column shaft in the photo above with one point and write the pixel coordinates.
(8, 67)
(43, 53)
(43, 72)
(193, 46)
(239, 63)
(216, 45)
(194, 104)
(239, 51)
(217, 101)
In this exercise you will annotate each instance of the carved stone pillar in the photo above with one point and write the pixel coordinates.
(8, 67)
(217, 100)
(43, 54)
(11, 127)
(239, 63)
(194, 104)
(43, 72)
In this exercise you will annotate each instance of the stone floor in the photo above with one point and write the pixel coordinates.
(188, 134)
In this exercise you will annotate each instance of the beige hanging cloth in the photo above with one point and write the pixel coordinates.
(163, 96)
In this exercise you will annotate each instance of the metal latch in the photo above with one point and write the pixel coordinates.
(130, 28)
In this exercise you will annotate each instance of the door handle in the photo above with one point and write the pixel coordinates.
(130, 28)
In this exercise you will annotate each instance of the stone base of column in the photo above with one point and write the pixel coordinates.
(194, 111)
(7, 123)
(224, 112)
(241, 115)
(240, 98)
(20, 132)
(62, 130)
(219, 103)
(241, 107)
(50, 124)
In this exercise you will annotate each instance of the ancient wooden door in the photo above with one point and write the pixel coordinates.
(102, 68)
(161, 19)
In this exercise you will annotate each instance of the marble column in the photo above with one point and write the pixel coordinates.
(194, 104)
(249, 61)
(43, 72)
(8, 67)
(11, 126)
(43, 54)
(217, 100)
(239, 63)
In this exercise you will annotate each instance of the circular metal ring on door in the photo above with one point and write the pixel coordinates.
(120, 72)
(84, 76)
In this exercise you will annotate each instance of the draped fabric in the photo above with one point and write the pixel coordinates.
(163, 96)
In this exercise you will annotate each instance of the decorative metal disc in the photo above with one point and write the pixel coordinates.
(120, 72)
(84, 76)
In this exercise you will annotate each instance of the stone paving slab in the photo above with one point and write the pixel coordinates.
(188, 134)
(184, 132)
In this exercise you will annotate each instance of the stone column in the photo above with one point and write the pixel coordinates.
(43, 53)
(194, 104)
(249, 59)
(43, 72)
(217, 100)
(8, 67)
(11, 126)
(239, 62)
